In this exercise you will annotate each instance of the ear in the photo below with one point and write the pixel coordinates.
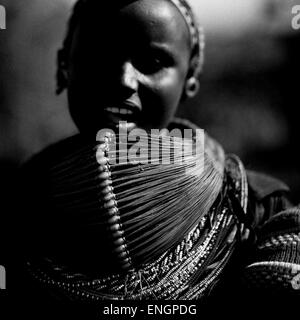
(192, 86)
(61, 73)
(61, 81)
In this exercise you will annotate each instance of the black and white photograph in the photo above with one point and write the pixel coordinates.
(149, 158)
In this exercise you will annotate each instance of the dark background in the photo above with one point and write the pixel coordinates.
(249, 96)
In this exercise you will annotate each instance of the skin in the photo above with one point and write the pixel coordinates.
(142, 66)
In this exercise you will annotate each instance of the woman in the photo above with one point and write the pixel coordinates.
(129, 65)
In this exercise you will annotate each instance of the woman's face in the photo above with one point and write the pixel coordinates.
(130, 65)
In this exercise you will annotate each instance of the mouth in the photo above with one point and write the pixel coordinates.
(119, 111)
(125, 111)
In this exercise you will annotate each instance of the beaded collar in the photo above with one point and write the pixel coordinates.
(187, 271)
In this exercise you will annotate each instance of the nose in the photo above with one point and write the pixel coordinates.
(129, 78)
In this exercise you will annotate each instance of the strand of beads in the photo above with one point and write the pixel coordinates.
(110, 206)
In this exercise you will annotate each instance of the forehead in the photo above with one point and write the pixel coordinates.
(143, 21)
(158, 19)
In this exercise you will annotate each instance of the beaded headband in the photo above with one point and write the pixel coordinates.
(196, 33)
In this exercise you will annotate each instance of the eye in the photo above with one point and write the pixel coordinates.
(151, 62)
(148, 65)
(154, 64)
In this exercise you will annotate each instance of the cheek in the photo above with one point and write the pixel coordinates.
(168, 91)
(160, 98)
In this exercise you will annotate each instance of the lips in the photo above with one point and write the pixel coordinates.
(125, 111)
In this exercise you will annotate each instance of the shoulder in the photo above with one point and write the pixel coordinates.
(58, 149)
(266, 197)
(262, 185)
(275, 266)
(275, 263)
